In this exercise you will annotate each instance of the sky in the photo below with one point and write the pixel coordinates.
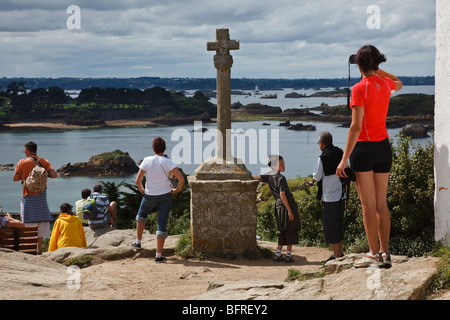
(289, 39)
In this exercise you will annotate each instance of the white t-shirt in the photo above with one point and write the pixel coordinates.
(332, 186)
(157, 169)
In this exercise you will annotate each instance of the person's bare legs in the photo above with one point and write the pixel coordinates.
(372, 192)
(140, 226)
(337, 249)
(160, 244)
(383, 215)
(113, 210)
(365, 186)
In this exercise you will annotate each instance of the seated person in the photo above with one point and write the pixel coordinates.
(8, 221)
(67, 231)
(85, 194)
(108, 209)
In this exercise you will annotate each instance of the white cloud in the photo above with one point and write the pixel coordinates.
(167, 38)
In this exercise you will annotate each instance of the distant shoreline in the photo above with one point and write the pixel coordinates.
(61, 126)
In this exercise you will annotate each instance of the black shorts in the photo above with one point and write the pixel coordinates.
(288, 237)
(373, 156)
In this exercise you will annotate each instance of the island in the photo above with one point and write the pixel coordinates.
(115, 163)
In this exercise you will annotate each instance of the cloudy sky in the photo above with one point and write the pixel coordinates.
(167, 38)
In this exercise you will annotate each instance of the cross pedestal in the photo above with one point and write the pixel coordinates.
(223, 192)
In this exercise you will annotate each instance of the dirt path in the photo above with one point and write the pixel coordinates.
(142, 278)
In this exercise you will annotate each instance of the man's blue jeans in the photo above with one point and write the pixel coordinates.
(164, 204)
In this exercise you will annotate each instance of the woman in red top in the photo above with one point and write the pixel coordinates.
(369, 151)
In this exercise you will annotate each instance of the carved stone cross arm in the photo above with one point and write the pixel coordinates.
(223, 60)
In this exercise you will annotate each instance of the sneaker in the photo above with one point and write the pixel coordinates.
(387, 260)
(277, 258)
(288, 259)
(369, 260)
(161, 259)
(136, 245)
(332, 257)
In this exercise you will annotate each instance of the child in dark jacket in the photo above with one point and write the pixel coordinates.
(286, 208)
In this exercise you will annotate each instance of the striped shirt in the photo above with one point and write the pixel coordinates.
(101, 202)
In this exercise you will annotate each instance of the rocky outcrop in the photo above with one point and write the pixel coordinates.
(415, 131)
(408, 279)
(112, 245)
(257, 108)
(269, 96)
(7, 167)
(116, 163)
(295, 95)
(302, 127)
(48, 277)
(331, 94)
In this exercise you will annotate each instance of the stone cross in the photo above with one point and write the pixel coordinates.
(223, 191)
(223, 62)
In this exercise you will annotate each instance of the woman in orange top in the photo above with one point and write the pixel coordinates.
(369, 151)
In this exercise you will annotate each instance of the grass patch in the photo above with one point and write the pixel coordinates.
(441, 279)
(295, 274)
(82, 261)
(185, 249)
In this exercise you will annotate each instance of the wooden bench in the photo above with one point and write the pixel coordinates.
(19, 239)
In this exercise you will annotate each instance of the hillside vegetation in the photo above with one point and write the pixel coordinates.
(95, 103)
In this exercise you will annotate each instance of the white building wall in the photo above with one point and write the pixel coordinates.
(442, 122)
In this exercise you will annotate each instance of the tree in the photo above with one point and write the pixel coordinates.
(16, 88)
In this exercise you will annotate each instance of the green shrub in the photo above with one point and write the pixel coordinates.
(130, 201)
(266, 226)
(82, 261)
(185, 249)
(441, 279)
(411, 198)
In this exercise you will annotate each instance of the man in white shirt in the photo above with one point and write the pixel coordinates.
(331, 193)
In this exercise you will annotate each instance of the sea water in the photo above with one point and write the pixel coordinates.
(299, 148)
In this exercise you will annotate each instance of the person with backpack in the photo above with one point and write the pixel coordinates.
(33, 172)
(100, 210)
(85, 194)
